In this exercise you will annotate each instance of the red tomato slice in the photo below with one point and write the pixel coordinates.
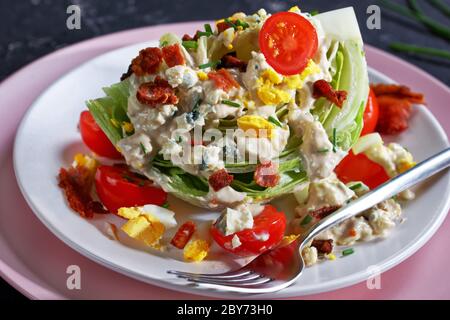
(118, 187)
(269, 221)
(288, 41)
(95, 139)
(370, 114)
(360, 168)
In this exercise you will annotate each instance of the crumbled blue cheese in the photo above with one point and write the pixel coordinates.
(232, 221)
(181, 76)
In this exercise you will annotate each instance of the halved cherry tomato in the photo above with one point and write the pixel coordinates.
(118, 187)
(370, 114)
(288, 41)
(269, 223)
(360, 168)
(95, 139)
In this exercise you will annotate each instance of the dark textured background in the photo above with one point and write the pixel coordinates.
(30, 29)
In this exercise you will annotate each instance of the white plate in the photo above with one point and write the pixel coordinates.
(48, 138)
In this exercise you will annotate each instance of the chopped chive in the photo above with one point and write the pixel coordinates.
(230, 23)
(314, 12)
(306, 220)
(164, 43)
(439, 4)
(324, 150)
(242, 24)
(203, 33)
(144, 150)
(347, 252)
(433, 52)
(334, 139)
(165, 205)
(208, 28)
(231, 103)
(190, 44)
(128, 178)
(210, 64)
(179, 139)
(275, 121)
(356, 186)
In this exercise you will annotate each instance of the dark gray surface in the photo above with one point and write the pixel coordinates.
(30, 29)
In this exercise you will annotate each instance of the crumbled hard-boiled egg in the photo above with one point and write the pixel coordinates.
(297, 81)
(142, 229)
(147, 223)
(196, 250)
(257, 124)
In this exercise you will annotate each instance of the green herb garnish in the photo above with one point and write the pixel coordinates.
(210, 64)
(356, 186)
(334, 140)
(314, 12)
(441, 6)
(403, 47)
(203, 33)
(242, 24)
(306, 220)
(347, 252)
(324, 150)
(190, 44)
(144, 150)
(230, 23)
(208, 28)
(164, 43)
(231, 103)
(275, 121)
(166, 205)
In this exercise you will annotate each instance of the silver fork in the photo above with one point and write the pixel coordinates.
(282, 266)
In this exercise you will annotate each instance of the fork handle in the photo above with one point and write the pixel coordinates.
(418, 173)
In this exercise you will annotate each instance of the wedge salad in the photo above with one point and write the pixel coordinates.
(251, 108)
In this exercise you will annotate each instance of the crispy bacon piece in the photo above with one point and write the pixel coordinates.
(322, 88)
(127, 74)
(223, 79)
(147, 62)
(395, 102)
(220, 179)
(77, 184)
(156, 92)
(323, 212)
(230, 61)
(323, 246)
(266, 174)
(172, 55)
(183, 235)
(397, 91)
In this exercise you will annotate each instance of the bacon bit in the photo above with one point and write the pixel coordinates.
(323, 212)
(398, 91)
(220, 179)
(127, 74)
(172, 55)
(395, 103)
(147, 62)
(183, 235)
(223, 80)
(77, 184)
(187, 37)
(157, 92)
(266, 175)
(230, 61)
(352, 232)
(324, 89)
(323, 246)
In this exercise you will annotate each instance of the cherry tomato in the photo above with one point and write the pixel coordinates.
(370, 114)
(95, 139)
(288, 41)
(118, 187)
(269, 222)
(360, 168)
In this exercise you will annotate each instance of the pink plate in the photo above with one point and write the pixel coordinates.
(34, 261)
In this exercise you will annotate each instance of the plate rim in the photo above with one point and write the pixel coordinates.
(413, 249)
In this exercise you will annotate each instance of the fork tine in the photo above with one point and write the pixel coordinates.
(226, 275)
(247, 277)
(228, 283)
